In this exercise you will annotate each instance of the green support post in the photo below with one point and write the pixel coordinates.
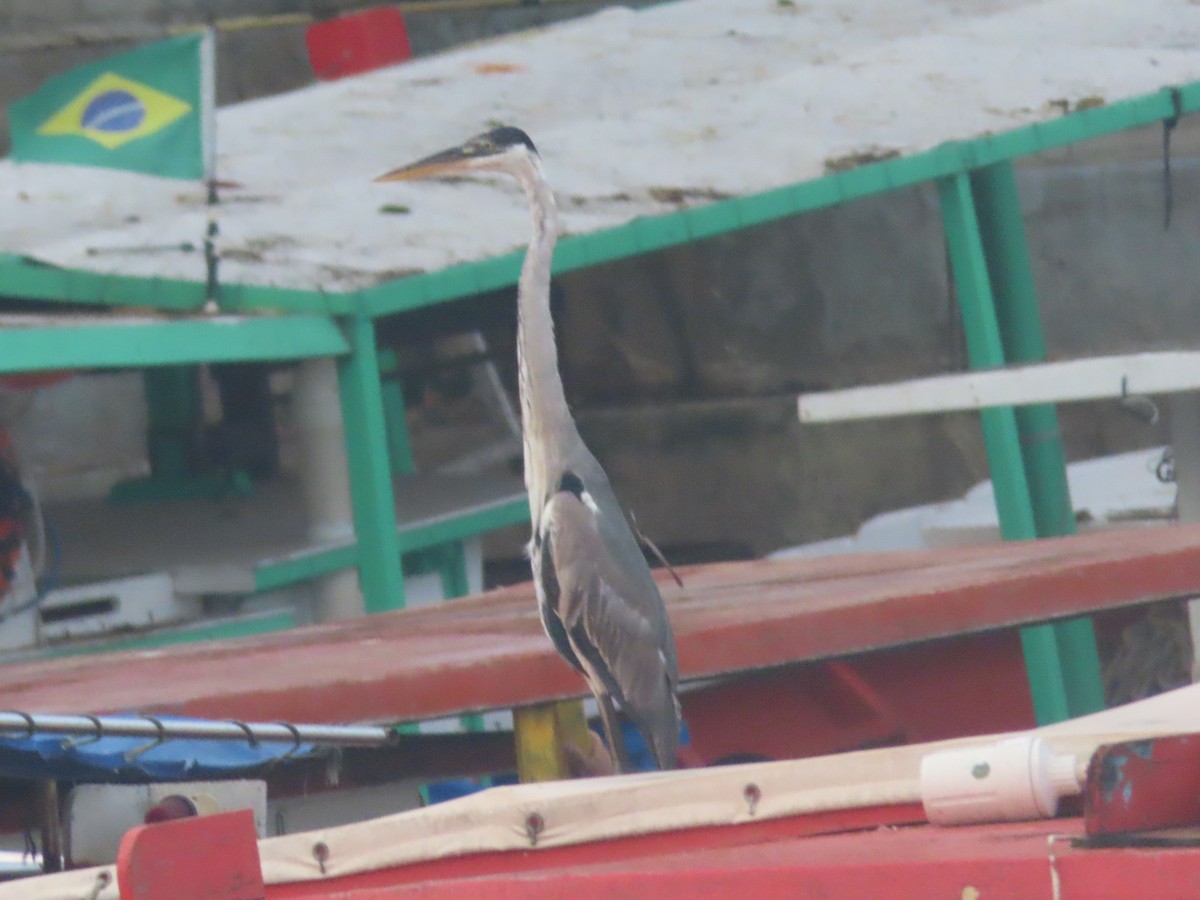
(1047, 672)
(453, 571)
(1011, 274)
(370, 472)
(985, 351)
(450, 556)
(171, 410)
(1002, 229)
(399, 444)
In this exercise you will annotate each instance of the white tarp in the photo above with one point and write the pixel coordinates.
(636, 113)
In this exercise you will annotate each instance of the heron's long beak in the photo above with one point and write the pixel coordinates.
(446, 162)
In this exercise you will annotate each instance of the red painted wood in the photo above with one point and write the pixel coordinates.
(1142, 785)
(620, 851)
(490, 652)
(974, 684)
(357, 42)
(200, 858)
(1022, 861)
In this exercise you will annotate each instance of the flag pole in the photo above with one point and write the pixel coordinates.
(208, 148)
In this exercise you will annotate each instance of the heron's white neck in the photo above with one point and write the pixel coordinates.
(547, 424)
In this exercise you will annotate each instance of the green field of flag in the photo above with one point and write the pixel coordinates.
(143, 111)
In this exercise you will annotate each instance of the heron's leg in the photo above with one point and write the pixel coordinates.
(612, 730)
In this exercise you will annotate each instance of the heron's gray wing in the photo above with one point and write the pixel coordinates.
(610, 619)
(549, 593)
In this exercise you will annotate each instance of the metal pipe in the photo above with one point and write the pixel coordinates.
(18, 724)
(1002, 232)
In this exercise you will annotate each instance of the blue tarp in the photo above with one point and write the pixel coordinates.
(112, 760)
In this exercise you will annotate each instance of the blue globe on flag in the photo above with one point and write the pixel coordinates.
(113, 111)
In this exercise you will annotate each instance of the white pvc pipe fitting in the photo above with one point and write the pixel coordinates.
(1011, 780)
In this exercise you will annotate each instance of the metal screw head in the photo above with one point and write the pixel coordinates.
(534, 825)
(753, 793)
(321, 853)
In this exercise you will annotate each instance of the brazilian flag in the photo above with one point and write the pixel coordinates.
(148, 110)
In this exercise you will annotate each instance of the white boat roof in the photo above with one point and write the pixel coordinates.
(635, 113)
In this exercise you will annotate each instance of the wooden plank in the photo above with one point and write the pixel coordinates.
(1134, 374)
(489, 651)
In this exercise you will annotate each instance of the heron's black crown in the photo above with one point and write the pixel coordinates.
(507, 136)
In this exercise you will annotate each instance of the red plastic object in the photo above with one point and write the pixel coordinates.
(199, 858)
(356, 43)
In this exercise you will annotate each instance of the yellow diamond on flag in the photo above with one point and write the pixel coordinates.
(112, 111)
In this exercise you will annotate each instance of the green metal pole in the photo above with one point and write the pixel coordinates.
(453, 569)
(1011, 274)
(395, 418)
(451, 556)
(1006, 250)
(171, 407)
(370, 472)
(1001, 436)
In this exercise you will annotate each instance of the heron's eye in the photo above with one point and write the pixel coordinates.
(476, 147)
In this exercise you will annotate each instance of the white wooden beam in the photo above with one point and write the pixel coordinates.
(1142, 374)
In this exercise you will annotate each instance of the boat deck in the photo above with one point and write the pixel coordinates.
(489, 652)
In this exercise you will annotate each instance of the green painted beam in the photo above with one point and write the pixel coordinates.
(142, 342)
(456, 528)
(1043, 662)
(27, 279)
(303, 567)
(442, 533)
